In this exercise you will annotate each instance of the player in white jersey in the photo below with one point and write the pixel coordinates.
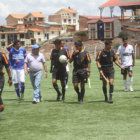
(126, 53)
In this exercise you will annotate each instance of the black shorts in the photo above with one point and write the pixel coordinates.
(79, 75)
(59, 74)
(1, 87)
(128, 69)
(108, 73)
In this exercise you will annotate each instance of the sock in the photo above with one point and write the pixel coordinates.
(82, 93)
(130, 82)
(105, 93)
(56, 88)
(63, 91)
(77, 91)
(125, 83)
(22, 89)
(104, 90)
(17, 91)
(1, 100)
(111, 89)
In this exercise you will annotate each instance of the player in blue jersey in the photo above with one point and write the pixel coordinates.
(8, 49)
(16, 58)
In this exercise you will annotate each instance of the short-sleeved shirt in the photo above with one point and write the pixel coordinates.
(106, 58)
(3, 62)
(35, 62)
(16, 58)
(81, 60)
(55, 57)
(126, 55)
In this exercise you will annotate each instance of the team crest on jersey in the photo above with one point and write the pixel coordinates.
(82, 58)
(104, 55)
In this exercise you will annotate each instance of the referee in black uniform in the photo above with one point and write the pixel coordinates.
(3, 62)
(58, 69)
(81, 70)
(105, 59)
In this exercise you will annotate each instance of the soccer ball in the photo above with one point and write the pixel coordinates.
(62, 59)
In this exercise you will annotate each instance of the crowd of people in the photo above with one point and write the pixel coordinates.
(33, 63)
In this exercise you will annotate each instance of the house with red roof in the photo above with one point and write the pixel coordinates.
(83, 19)
(34, 18)
(15, 19)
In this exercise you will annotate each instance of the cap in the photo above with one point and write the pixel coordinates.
(35, 46)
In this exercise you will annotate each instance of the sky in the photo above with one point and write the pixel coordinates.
(48, 7)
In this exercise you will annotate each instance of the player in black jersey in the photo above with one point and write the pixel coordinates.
(81, 62)
(105, 59)
(58, 69)
(3, 62)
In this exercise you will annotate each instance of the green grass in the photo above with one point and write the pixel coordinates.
(94, 120)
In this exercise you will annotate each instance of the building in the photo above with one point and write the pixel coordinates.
(15, 19)
(100, 29)
(10, 36)
(34, 18)
(68, 18)
(54, 30)
(83, 19)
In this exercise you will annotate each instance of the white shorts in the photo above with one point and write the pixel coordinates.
(18, 76)
(67, 68)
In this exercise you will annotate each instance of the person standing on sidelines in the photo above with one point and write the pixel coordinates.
(16, 57)
(36, 62)
(81, 70)
(67, 66)
(3, 62)
(126, 52)
(58, 69)
(104, 60)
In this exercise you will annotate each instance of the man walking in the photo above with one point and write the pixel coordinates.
(3, 62)
(36, 62)
(104, 60)
(58, 69)
(81, 70)
(126, 52)
(16, 57)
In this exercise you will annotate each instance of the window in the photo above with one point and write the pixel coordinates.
(69, 20)
(107, 26)
(38, 33)
(2, 43)
(39, 40)
(21, 35)
(52, 32)
(2, 36)
(65, 20)
(74, 21)
(74, 15)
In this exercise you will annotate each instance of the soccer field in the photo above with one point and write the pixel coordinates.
(93, 120)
